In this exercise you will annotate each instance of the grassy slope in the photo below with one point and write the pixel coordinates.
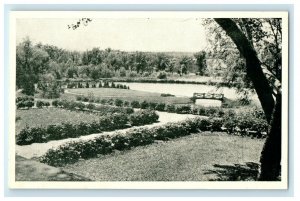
(29, 170)
(48, 116)
(129, 95)
(200, 157)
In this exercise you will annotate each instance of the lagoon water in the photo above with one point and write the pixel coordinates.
(183, 89)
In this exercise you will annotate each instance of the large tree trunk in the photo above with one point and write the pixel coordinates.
(271, 154)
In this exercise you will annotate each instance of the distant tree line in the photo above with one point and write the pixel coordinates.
(48, 63)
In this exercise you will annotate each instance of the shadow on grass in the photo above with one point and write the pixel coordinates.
(237, 172)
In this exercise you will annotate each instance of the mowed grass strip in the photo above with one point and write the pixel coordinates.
(129, 95)
(48, 116)
(191, 158)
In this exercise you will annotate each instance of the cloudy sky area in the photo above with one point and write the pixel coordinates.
(181, 35)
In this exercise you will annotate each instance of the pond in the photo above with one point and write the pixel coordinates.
(182, 89)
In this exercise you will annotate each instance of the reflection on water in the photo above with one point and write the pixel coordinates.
(182, 89)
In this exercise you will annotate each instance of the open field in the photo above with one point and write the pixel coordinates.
(128, 95)
(199, 157)
(49, 116)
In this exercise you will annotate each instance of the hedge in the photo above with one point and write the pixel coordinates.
(41, 104)
(68, 130)
(24, 102)
(179, 109)
(72, 152)
(99, 109)
(173, 108)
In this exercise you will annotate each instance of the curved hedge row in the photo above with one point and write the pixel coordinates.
(99, 109)
(168, 81)
(172, 108)
(72, 152)
(67, 130)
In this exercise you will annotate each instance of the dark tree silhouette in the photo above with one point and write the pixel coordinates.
(271, 153)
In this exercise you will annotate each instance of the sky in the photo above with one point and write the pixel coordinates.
(135, 34)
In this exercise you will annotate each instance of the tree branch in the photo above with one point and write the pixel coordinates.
(253, 67)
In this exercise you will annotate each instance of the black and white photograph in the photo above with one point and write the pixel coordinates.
(148, 100)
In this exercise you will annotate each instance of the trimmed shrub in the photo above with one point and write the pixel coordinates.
(91, 106)
(152, 105)
(140, 137)
(118, 102)
(160, 107)
(61, 156)
(135, 104)
(40, 104)
(144, 105)
(171, 108)
(216, 124)
(183, 109)
(166, 95)
(25, 102)
(120, 142)
(79, 98)
(126, 104)
(24, 98)
(103, 101)
(143, 117)
(162, 75)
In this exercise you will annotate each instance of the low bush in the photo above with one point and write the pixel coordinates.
(160, 106)
(24, 98)
(183, 109)
(143, 117)
(91, 106)
(152, 105)
(79, 98)
(118, 102)
(144, 105)
(171, 108)
(135, 104)
(162, 75)
(41, 104)
(24, 102)
(126, 103)
(166, 95)
(120, 142)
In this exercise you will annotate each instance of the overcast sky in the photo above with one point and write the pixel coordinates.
(182, 35)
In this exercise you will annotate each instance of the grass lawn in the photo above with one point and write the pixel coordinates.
(48, 116)
(199, 157)
(129, 95)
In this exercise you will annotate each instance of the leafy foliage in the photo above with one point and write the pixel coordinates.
(124, 141)
(69, 130)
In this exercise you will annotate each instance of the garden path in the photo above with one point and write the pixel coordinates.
(38, 149)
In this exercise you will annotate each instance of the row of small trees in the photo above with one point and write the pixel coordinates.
(105, 84)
